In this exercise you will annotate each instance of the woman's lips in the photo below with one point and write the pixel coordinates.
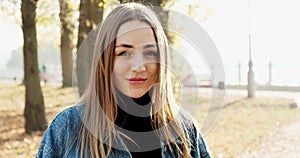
(136, 81)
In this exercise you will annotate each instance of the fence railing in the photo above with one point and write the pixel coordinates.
(264, 74)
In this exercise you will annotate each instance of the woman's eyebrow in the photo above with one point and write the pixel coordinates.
(150, 45)
(130, 46)
(124, 45)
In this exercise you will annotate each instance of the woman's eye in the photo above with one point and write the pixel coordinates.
(151, 53)
(124, 53)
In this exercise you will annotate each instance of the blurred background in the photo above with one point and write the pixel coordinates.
(257, 42)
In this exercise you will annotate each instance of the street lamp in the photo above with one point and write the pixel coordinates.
(251, 82)
(251, 87)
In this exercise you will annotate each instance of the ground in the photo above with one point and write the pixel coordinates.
(264, 126)
(283, 142)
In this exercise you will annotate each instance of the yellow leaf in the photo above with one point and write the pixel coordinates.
(100, 4)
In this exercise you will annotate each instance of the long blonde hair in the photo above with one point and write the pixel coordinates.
(101, 106)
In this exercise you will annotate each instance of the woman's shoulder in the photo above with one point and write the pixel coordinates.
(70, 114)
(191, 128)
(73, 110)
(60, 132)
(185, 117)
(188, 122)
(67, 120)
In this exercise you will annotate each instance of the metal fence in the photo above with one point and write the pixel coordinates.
(264, 74)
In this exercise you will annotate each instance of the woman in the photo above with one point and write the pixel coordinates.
(128, 109)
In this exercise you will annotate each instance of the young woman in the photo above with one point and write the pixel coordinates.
(128, 109)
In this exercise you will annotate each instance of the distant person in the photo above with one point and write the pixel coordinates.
(43, 74)
(128, 109)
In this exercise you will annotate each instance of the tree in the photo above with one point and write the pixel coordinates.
(9, 11)
(34, 103)
(66, 45)
(47, 54)
(91, 14)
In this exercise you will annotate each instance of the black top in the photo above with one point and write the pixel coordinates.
(134, 115)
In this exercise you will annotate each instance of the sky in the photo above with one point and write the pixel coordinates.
(275, 35)
(274, 25)
(11, 39)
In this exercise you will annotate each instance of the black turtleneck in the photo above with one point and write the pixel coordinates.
(134, 115)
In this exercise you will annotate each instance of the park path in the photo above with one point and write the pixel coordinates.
(284, 142)
(284, 94)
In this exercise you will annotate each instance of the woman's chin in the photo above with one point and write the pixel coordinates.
(138, 95)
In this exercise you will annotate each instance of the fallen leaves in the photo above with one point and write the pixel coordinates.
(242, 124)
(13, 140)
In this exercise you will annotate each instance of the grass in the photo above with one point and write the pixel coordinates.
(13, 140)
(242, 123)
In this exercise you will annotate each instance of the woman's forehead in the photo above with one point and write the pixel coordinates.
(132, 25)
(135, 33)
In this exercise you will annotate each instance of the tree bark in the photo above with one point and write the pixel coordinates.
(91, 15)
(34, 103)
(66, 45)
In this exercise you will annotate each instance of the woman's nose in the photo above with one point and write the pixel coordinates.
(138, 63)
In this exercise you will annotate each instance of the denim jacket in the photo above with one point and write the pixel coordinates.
(58, 137)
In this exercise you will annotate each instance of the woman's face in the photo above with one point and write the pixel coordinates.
(136, 56)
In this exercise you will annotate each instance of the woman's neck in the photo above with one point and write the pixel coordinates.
(134, 113)
(129, 101)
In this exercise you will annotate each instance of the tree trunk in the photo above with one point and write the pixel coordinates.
(91, 14)
(66, 45)
(34, 103)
